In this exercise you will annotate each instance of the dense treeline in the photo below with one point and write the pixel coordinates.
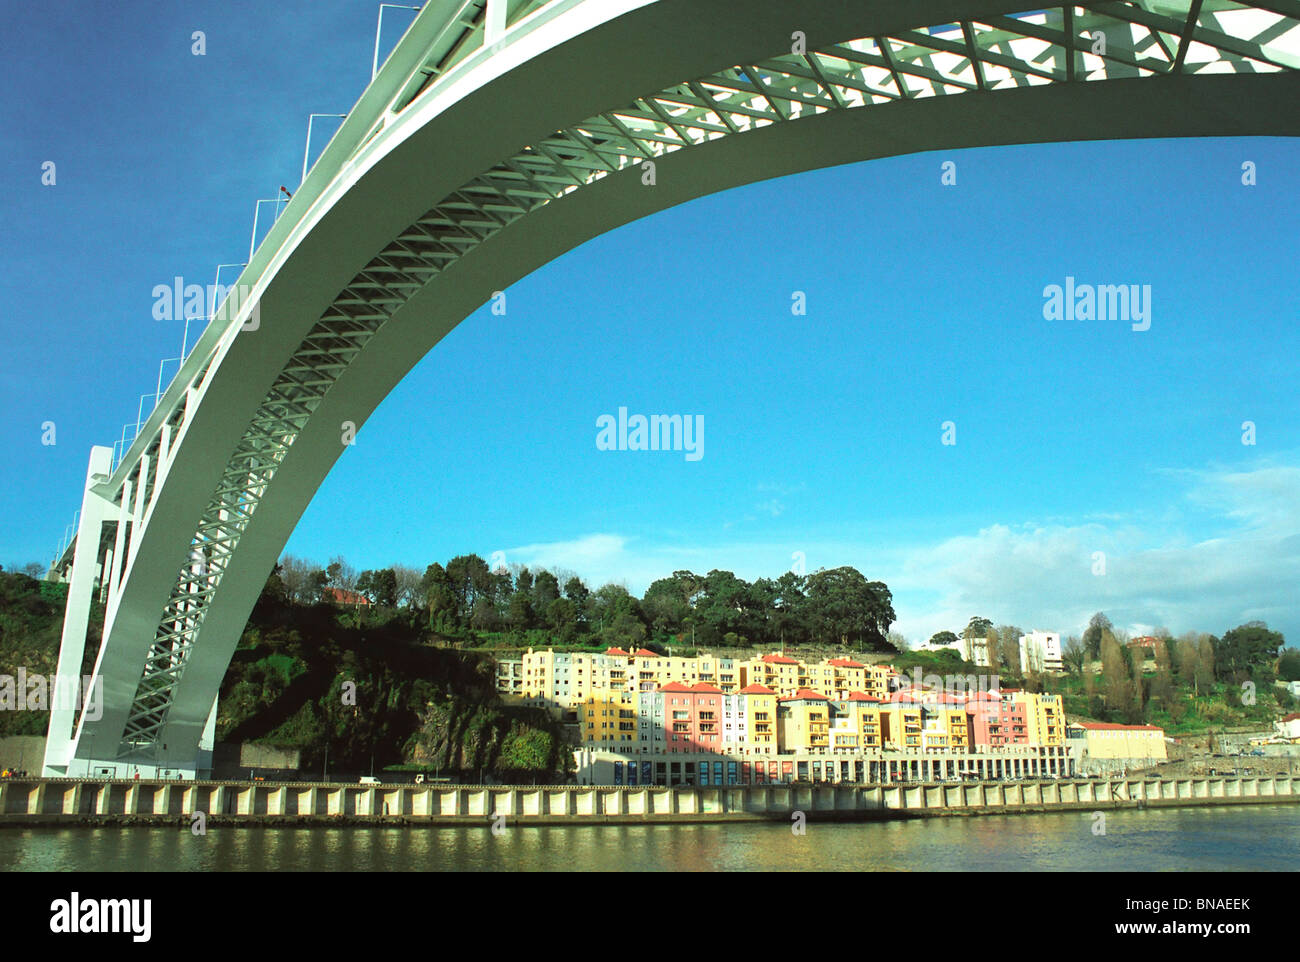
(828, 607)
(31, 626)
(368, 692)
(353, 692)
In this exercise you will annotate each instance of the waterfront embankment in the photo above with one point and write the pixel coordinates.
(29, 802)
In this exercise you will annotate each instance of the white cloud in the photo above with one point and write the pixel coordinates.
(1034, 574)
(1042, 575)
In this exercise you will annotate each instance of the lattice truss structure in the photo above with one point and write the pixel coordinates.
(1152, 38)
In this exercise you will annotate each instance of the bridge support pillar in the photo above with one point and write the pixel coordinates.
(95, 511)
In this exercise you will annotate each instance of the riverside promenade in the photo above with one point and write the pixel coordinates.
(30, 802)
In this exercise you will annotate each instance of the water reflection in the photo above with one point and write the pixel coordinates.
(1258, 838)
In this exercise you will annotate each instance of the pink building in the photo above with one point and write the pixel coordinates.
(692, 720)
(996, 718)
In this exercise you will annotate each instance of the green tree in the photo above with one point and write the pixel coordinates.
(579, 594)
(546, 589)
(1074, 654)
(1244, 648)
(844, 606)
(470, 580)
(317, 582)
(485, 616)
(1092, 634)
(788, 622)
(520, 614)
(1115, 674)
(666, 604)
(1288, 665)
(439, 598)
(562, 618)
(384, 587)
(1008, 648)
(1137, 703)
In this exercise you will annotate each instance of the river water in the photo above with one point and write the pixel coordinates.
(1248, 838)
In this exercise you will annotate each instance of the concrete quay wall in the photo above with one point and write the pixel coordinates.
(98, 802)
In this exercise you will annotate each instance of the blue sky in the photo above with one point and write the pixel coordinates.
(822, 431)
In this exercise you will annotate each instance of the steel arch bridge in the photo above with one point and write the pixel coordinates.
(498, 135)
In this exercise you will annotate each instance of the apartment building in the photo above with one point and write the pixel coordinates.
(803, 720)
(679, 719)
(561, 681)
(753, 711)
(855, 724)
(997, 718)
(1044, 718)
(1122, 742)
(510, 679)
(692, 717)
(608, 717)
(900, 719)
(1041, 651)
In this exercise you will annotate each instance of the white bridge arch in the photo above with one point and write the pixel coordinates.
(498, 135)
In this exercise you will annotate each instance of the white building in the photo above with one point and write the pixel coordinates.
(977, 651)
(958, 646)
(1289, 727)
(1041, 651)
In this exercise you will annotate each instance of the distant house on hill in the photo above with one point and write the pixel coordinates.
(342, 596)
(1289, 727)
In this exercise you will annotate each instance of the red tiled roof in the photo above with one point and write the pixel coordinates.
(805, 694)
(862, 696)
(1291, 717)
(644, 653)
(616, 651)
(341, 596)
(674, 686)
(775, 659)
(756, 689)
(845, 663)
(704, 686)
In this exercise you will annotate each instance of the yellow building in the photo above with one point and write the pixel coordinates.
(803, 721)
(1044, 718)
(855, 723)
(901, 722)
(781, 673)
(943, 723)
(564, 680)
(1121, 741)
(608, 717)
